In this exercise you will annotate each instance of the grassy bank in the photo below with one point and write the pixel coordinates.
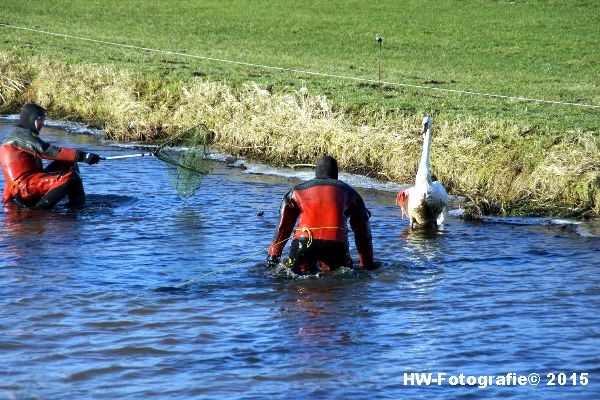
(507, 155)
(512, 168)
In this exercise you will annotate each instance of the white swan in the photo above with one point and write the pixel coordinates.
(426, 203)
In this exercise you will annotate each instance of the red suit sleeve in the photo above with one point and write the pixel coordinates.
(359, 222)
(51, 152)
(287, 220)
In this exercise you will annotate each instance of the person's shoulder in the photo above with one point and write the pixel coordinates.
(306, 184)
(326, 182)
(18, 130)
(5, 134)
(14, 133)
(317, 182)
(353, 191)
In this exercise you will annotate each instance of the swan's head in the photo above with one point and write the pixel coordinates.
(426, 124)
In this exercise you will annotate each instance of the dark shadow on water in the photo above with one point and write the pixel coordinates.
(188, 218)
(18, 220)
(392, 266)
(106, 201)
(422, 233)
(93, 202)
(22, 220)
(170, 289)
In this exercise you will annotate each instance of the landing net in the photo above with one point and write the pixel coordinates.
(186, 158)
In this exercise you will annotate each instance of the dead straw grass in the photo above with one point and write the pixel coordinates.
(489, 161)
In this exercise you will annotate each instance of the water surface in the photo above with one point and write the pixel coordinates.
(80, 318)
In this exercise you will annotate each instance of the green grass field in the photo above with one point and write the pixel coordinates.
(507, 151)
(535, 49)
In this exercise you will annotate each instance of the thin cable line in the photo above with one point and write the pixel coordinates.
(302, 71)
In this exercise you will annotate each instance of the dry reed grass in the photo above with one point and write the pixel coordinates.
(489, 161)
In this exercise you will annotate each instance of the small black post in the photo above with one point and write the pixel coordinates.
(379, 41)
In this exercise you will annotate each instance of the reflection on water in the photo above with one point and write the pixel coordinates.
(80, 318)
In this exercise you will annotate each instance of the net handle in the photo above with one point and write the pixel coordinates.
(166, 143)
(127, 156)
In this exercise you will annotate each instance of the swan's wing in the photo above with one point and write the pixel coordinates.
(439, 192)
(441, 195)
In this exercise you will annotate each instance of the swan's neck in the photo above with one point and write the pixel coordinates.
(423, 173)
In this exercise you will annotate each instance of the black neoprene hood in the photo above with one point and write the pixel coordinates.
(29, 113)
(326, 168)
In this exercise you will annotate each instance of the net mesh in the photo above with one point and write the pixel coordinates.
(186, 158)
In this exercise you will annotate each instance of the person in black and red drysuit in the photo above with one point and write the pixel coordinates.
(322, 206)
(27, 181)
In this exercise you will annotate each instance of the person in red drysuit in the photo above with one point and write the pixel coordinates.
(322, 206)
(27, 181)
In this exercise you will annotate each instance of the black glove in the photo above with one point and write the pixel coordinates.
(91, 158)
(272, 261)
